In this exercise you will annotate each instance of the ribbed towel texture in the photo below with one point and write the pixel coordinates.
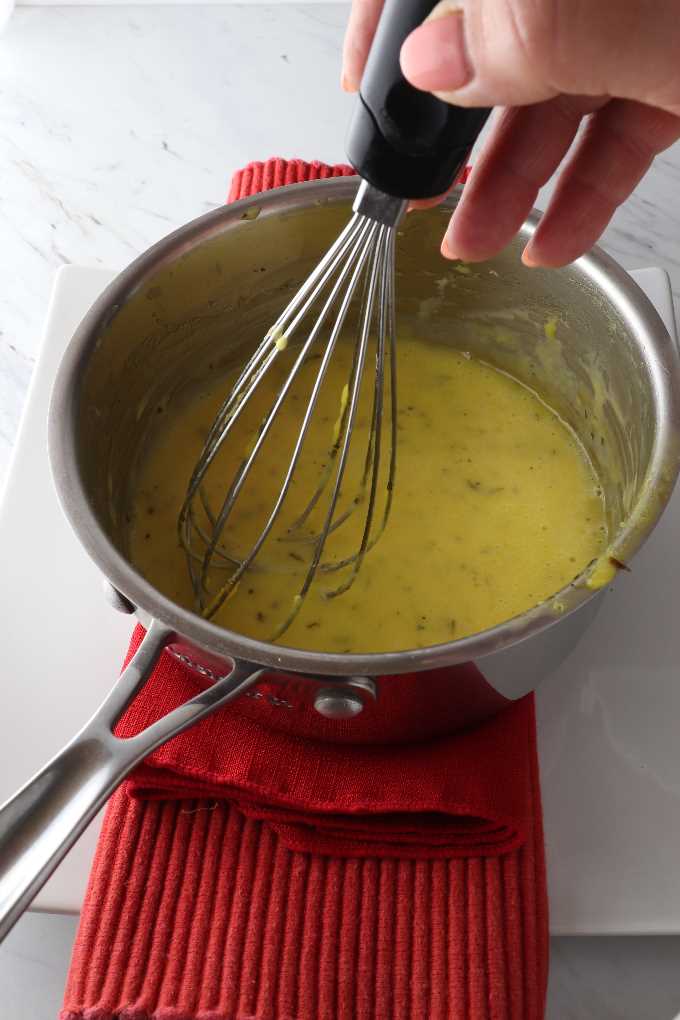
(246, 872)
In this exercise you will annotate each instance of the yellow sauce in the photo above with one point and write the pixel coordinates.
(603, 573)
(496, 506)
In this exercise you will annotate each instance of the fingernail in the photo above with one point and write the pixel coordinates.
(344, 83)
(434, 57)
(527, 259)
(448, 246)
(446, 249)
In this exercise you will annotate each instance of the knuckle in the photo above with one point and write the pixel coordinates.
(512, 46)
(532, 24)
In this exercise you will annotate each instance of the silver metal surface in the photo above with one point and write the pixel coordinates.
(378, 206)
(338, 704)
(364, 684)
(158, 329)
(345, 699)
(116, 600)
(41, 822)
(611, 370)
(360, 259)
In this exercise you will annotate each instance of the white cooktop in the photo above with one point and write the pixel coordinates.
(609, 720)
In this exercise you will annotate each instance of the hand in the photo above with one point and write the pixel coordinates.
(550, 64)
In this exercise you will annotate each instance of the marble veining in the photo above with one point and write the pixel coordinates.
(118, 124)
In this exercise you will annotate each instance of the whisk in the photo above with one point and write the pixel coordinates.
(404, 144)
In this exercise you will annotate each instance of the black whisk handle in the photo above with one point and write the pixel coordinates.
(405, 142)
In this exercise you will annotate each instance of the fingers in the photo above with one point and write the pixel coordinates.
(363, 20)
(516, 52)
(616, 150)
(428, 203)
(525, 147)
(482, 52)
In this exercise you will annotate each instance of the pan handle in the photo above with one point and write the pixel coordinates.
(40, 823)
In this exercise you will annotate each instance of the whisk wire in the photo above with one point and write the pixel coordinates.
(385, 339)
(356, 255)
(269, 348)
(353, 267)
(352, 405)
(235, 403)
(363, 252)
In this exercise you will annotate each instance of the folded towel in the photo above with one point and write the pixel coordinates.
(271, 865)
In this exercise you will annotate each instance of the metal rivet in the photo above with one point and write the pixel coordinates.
(117, 599)
(338, 704)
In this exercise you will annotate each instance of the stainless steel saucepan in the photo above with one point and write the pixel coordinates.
(200, 298)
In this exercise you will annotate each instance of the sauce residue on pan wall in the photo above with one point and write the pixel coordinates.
(496, 506)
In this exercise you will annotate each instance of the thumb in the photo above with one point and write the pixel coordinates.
(515, 52)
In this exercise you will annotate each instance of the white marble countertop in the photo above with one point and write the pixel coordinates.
(118, 124)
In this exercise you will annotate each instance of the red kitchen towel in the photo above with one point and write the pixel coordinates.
(258, 874)
(277, 760)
